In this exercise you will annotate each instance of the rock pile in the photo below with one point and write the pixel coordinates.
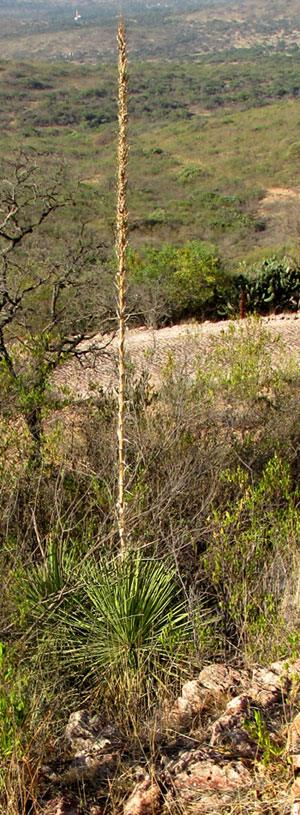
(206, 776)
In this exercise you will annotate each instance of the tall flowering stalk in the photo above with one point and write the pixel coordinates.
(121, 243)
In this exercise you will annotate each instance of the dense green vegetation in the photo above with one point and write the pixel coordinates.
(75, 95)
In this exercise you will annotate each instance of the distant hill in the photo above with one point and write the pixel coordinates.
(174, 29)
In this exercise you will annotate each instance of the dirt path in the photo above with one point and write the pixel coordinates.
(148, 349)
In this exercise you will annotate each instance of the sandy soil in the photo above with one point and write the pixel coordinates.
(149, 349)
(280, 210)
(278, 195)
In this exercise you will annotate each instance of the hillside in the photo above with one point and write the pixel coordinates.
(217, 144)
(172, 30)
(154, 669)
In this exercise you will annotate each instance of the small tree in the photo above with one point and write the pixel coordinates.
(50, 298)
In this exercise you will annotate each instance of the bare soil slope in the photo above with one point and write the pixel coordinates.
(150, 350)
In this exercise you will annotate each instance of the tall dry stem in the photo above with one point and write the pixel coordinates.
(121, 243)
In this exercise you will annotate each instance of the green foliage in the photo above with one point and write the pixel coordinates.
(248, 536)
(107, 621)
(13, 707)
(131, 616)
(174, 281)
(272, 286)
(195, 277)
(214, 453)
(189, 174)
(267, 749)
(40, 589)
(174, 197)
(214, 457)
(239, 370)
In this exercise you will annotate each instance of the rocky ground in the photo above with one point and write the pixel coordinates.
(229, 744)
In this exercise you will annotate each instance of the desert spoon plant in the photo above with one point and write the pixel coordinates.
(115, 625)
(121, 243)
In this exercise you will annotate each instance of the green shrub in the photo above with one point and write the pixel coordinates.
(122, 624)
(13, 707)
(132, 613)
(273, 286)
(173, 282)
(41, 588)
(213, 458)
(253, 536)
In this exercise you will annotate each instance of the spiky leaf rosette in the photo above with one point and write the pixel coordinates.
(133, 613)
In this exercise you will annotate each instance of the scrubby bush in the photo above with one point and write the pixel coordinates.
(272, 286)
(212, 514)
(173, 282)
(212, 432)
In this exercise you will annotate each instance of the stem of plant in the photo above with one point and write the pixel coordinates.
(121, 243)
(242, 305)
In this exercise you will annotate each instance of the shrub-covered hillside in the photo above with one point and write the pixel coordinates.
(213, 510)
(102, 637)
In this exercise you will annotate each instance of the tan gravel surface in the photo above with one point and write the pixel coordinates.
(149, 349)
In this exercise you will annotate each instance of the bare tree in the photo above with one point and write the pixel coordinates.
(50, 297)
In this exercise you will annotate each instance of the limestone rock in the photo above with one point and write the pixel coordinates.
(96, 745)
(145, 799)
(197, 774)
(221, 679)
(208, 777)
(181, 762)
(229, 728)
(214, 681)
(268, 687)
(295, 791)
(193, 693)
(192, 700)
(237, 705)
(61, 805)
(90, 732)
